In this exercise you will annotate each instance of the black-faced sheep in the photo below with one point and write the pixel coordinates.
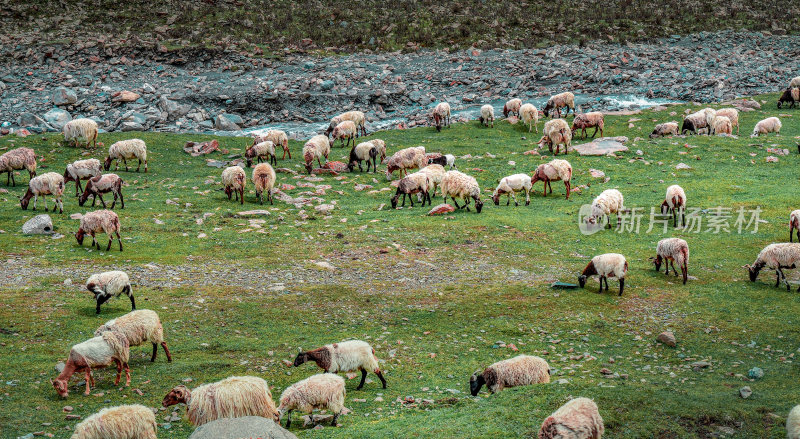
(346, 356)
(418, 182)
(522, 370)
(606, 265)
(103, 184)
(233, 397)
(448, 160)
(110, 284)
(363, 151)
(776, 257)
(790, 96)
(673, 250)
(458, 185)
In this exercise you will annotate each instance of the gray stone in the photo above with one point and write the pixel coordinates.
(30, 120)
(668, 338)
(227, 122)
(244, 427)
(745, 392)
(326, 85)
(64, 96)
(755, 373)
(173, 109)
(602, 146)
(57, 118)
(131, 126)
(38, 225)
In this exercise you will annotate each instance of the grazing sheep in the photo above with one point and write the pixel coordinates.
(558, 102)
(138, 327)
(405, 159)
(259, 151)
(264, 180)
(98, 352)
(487, 115)
(110, 284)
(795, 82)
(357, 117)
(448, 160)
(233, 397)
(789, 95)
(81, 170)
(458, 185)
(556, 132)
(121, 422)
(234, 181)
(665, 129)
(124, 150)
(609, 201)
(710, 115)
(674, 203)
(793, 420)
(103, 184)
(554, 171)
(81, 129)
(522, 370)
(322, 391)
(436, 174)
(695, 122)
(317, 147)
(529, 114)
(381, 148)
(588, 120)
(512, 107)
(732, 114)
(673, 250)
(363, 151)
(776, 257)
(577, 419)
(346, 132)
(16, 159)
(418, 182)
(766, 126)
(794, 224)
(98, 221)
(606, 265)
(510, 186)
(346, 356)
(722, 125)
(441, 115)
(278, 138)
(50, 183)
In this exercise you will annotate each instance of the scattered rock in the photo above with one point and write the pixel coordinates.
(668, 338)
(227, 122)
(38, 225)
(125, 96)
(325, 265)
(745, 392)
(57, 118)
(682, 166)
(602, 146)
(257, 212)
(64, 96)
(755, 373)
(442, 209)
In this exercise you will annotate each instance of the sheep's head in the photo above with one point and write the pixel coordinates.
(657, 262)
(547, 108)
(79, 236)
(478, 205)
(582, 280)
(394, 200)
(664, 208)
(67, 176)
(24, 201)
(179, 394)
(496, 197)
(61, 388)
(301, 358)
(476, 381)
(107, 163)
(84, 196)
(753, 271)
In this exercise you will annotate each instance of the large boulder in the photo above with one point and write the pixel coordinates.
(57, 118)
(227, 122)
(244, 427)
(173, 109)
(30, 120)
(602, 146)
(38, 225)
(64, 96)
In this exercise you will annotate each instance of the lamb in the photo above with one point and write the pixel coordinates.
(675, 202)
(556, 132)
(458, 185)
(722, 125)
(436, 174)
(81, 170)
(487, 115)
(510, 186)
(97, 352)
(363, 151)
(793, 420)
(124, 150)
(234, 181)
(405, 159)
(694, 122)
(606, 265)
(441, 115)
(81, 129)
(264, 181)
(588, 120)
(766, 126)
(278, 138)
(233, 397)
(316, 147)
(448, 160)
(579, 418)
(795, 82)
(529, 114)
(554, 171)
(673, 250)
(50, 183)
(665, 129)
(512, 107)
(522, 370)
(259, 151)
(346, 356)
(418, 182)
(381, 148)
(110, 284)
(794, 224)
(559, 101)
(16, 159)
(732, 114)
(322, 391)
(138, 327)
(776, 257)
(98, 221)
(357, 117)
(790, 95)
(103, 184)
(609, 201)
(121, 422)
(346, 132)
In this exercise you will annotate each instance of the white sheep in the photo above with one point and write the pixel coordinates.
(793, 420)
(363, 151)
(436, 174)
(264, 181)
(665, 129)
(109, 348)
(81, 170)
(592, 119)
(322, 391)
(381, 148)
(233, 397)
(579, 418)
(416, 183)
(16, 159)
(81, 129)
(609, 201)
(554, 171)
(458, 185)
(278, 138)
(556, 133)
(675, 203)
(529, 114)
(794, 224)
(512, 106)
(346, 132)
(405, 159)
(50, 183)
(487, 115)
(121, 422)
(234, 180)
(138, 326)
(766, 126)
(259, 151)
(776, 257)
(346, 356)
(672, 250)
(110, 284)
(441, 115)
(522, 370)
(105, 221)
(559, 101)
(606, 265)
(103, 184)
(710, 115)
(510, 186)
(695, 122)
(124, 150)
(722, 125)
(448, 160)
(732, 114)
(317, 147)
(357, 117)
(795, 82)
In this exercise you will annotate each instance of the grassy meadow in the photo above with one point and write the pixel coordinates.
(437, 297)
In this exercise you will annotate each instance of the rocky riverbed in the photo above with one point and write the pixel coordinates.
(128, 90)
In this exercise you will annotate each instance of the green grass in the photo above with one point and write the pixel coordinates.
(490, 284)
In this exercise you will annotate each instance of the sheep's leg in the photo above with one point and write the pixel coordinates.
(8, 175)
(94, 241)
(110, 240)
(334, 421)
(125, 162)
(241, 196)
(777, 278)
(127, 375)
(78, 188)
(595, 132)
(674, 271)
(88, 380)
(119, 371)
(410, 198)
(527, 197)
(684, 272)
(35, 198)
(508, 199)
(621, 285)
(101, 200)
(166, 351)
(683, 217)
(288, 419)
(514, 195)
(140, 165)
(601, 285)
(155, 352)
(380, 376)
(568, 187)
(456, 203)
(791, 233)
(363, 378)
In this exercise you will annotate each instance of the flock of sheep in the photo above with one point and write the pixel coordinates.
(251, 396)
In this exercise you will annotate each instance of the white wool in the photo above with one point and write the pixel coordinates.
(435, 173)
(698, 119)
(110, 282)
(18, 158)
(794, 216)
(513, 183)
(665, 129)
(459, 185)
(82, 129)
(345, 130)
(138, 327)
(795, 82)
(381, 145)
(487, 114)
(529, 113)
(732, 114)
(673, 192)
(362, 150)
(263, 184)
(357, 117)
(558, 169)
(793, 420)
(710, 115)
(768, 125)
(263, 149)
(128, 149)
(98, 352)
(83, 169)
(325, 390)
(234, 177)
(351, 355)
(522, 370)
(722, 125)
(671, 248)
(105, 183)
(120, 422)
(557, 132)
(513, 105)
(416, 182)
(319, 146)
(105, 221)
(405, 159)
(779, 255)
(442, 109)
(609, 201)
(610, 265)
(277, 137)
(451, 160)
(577, 419)
(50, 183)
